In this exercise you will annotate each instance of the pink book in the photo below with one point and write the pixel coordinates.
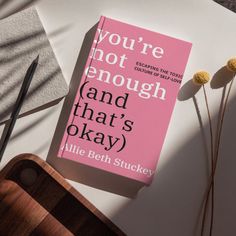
(125, 99)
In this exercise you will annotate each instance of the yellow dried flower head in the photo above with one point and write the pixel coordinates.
(201, 77)
(231, 64)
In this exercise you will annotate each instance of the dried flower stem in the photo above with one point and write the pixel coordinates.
(218, 140)
(212, 166)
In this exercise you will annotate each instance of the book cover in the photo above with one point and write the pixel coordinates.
(123, 105)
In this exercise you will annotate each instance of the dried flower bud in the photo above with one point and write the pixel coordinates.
(231, 64)
(201, 77)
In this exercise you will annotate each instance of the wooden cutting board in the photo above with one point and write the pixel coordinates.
(37, 200)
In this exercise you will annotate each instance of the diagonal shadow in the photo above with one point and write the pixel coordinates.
(25, 129)
(10, 73)
(26, 51)
(175, 198)
(13, 7)
(20, 40)
(12, 62)
(5, 113)
(31, 125)
(14, 65)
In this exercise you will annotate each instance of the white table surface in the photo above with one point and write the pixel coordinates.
(170, 206)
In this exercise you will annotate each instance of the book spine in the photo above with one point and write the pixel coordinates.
(83, 80)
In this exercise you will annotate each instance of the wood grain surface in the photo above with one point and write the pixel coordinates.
(37, 200)
(230, 4)
(22, 215)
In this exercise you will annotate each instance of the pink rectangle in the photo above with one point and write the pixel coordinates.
(124, 103)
